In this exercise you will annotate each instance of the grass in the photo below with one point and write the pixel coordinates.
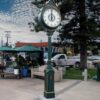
(92, 72)
(74, 73)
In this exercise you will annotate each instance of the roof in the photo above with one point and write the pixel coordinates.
(40, 44)
(27, 48)
(6, 49)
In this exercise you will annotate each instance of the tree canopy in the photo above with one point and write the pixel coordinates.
(81, 19)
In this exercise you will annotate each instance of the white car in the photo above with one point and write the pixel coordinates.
(95, 59)
(63, 60)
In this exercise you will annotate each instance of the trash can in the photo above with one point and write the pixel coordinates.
(16, 71)
(24, 72)
(98, 71)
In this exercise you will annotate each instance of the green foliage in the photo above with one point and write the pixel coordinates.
(91, 72)
(85, 20)
(73, 73)
(66, 6)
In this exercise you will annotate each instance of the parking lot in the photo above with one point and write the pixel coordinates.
(30, 89)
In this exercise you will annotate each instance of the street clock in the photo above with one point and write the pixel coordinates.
(49, 17)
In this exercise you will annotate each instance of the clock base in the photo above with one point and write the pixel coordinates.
(43, 98)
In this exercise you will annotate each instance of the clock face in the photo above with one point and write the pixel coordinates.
(51, 18)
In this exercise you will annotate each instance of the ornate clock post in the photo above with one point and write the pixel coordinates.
(49, 19)
(49, 72)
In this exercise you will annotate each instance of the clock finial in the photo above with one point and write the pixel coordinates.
(52, 2)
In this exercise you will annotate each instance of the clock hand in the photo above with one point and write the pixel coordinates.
(51, 14)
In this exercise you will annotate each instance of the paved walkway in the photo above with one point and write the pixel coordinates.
(28, 89)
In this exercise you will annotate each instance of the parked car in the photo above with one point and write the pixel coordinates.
(95, 59)
(63, 60)
(46, 56)
(76, 60)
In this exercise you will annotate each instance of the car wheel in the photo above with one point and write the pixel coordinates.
(77, 65)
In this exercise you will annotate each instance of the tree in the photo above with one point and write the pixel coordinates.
(82, 24)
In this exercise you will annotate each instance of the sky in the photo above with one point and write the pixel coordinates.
(5, 5)
(14, 18)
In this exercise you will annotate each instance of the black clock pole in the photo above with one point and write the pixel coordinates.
(49, 72)
(49, 91)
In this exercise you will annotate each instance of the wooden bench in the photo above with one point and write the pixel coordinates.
(2, 74)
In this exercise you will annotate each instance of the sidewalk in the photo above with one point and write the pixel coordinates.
(82, 91)
(28, 89)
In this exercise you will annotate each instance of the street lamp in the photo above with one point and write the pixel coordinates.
(49, 19)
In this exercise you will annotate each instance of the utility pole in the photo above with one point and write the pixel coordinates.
(7, 35)
(1, 41)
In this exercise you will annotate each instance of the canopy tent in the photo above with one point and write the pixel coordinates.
(8, 49)
(28, 48)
